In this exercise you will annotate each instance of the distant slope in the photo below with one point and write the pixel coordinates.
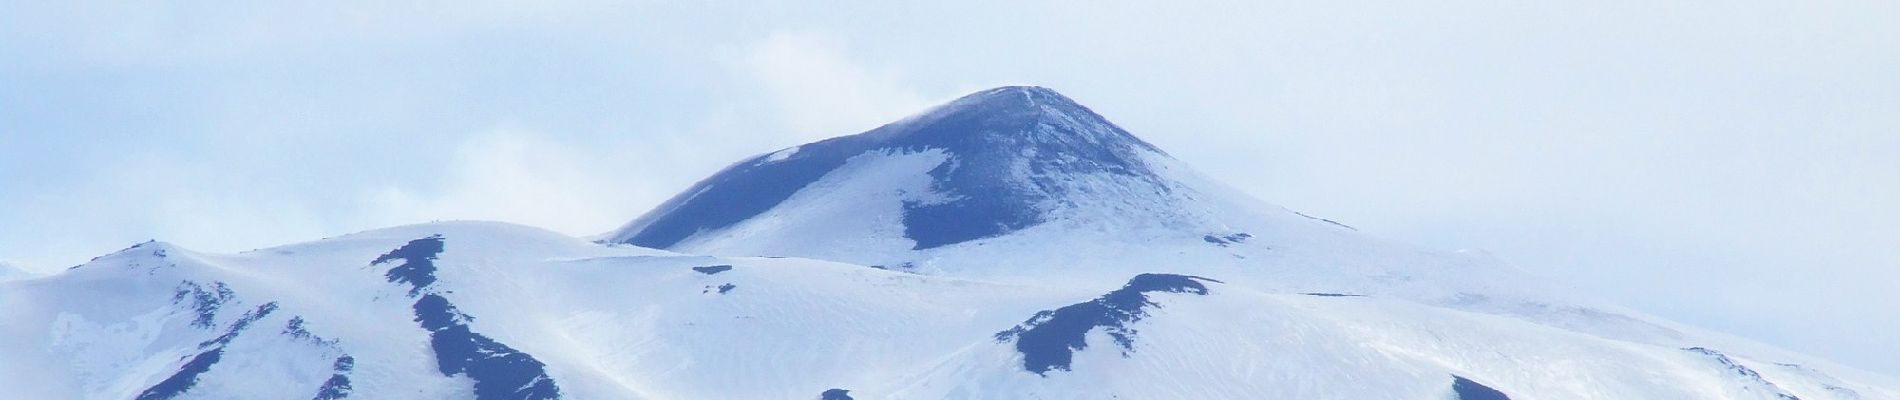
(514, 312)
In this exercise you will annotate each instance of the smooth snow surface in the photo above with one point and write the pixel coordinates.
(1011, 244)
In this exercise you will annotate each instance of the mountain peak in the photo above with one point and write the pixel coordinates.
(1016, 96)
(1009, 153)
(1006, 119)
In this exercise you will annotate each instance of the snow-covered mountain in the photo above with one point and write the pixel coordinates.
(1010, 244)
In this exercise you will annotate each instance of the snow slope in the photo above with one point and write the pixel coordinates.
(594, 321)
(1008, 245)
(1043, 189)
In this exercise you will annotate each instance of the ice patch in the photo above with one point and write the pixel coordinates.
(781, 155)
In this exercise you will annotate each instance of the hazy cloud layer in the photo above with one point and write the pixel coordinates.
(1730, 165)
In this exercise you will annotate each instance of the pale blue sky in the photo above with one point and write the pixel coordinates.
(1728, 164)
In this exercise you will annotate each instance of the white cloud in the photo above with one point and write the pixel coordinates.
(518, 176)
(9, 270)
(90, 32)
(818, 91)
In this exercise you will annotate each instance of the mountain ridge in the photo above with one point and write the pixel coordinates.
(803, 274)
(988, 135)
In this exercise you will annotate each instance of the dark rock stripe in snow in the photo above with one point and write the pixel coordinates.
(1334, 223)
(713, 269)
(1746, 373)
(185, 378)
(1829, 383)
(835, 394)
(1467, 389)
(721, 288)
(211, 351)
(1225, 240)
(499, 371)
(205, 302)
(418, 263)
(239, 325)
(296, 329)
(338, 386)
(1050, 339)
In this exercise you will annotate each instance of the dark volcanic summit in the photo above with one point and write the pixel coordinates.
(1012, 149)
